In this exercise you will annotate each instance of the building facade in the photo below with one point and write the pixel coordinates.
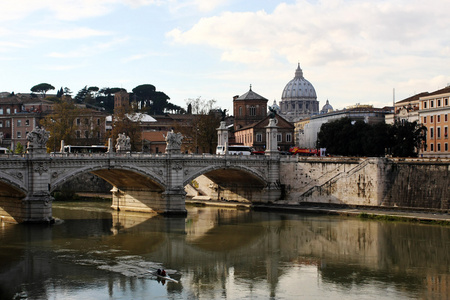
(254, 135)
(406, 110)
(434, 115)
(19, 114)
(248, 109)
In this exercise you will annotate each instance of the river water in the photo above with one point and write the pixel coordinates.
(93, 252)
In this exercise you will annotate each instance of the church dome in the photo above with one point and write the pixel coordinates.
(299, 98)
(326, 108)
(298, 88)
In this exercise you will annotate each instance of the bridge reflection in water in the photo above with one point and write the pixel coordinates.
(216, 252)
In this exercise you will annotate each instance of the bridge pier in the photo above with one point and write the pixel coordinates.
(169, 202)
(37, 208)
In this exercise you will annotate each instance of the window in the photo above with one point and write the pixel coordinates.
(439, 147)
(446, 147)
(259, 137)
(431, 147)
(446, 132)
(431, 119)
(8, 110)
(438, 132)
(78, 122)
(445, 118)
(446, 101)
(288, 137)
(424, 120)
(1, 111)
(252, 111)
(15, 110)
(86, 121)
(27, 122)
(432, 132)
(86, 134)
(7, 123)
(439, 118)
(78, 134)
(1, 124)
(424, 104)
(279, 137)
(19, 123)
(98, 121)
(19, 134)
(439, 103)
(431, 103)
(240, 110)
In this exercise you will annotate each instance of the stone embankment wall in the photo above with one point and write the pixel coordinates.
(409, 183)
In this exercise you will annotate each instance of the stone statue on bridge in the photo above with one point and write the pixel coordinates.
(38, 138)
(173, 142)
(123, 143)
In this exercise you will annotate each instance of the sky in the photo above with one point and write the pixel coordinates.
(351, 51)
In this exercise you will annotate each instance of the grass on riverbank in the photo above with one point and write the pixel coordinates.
(390, 218)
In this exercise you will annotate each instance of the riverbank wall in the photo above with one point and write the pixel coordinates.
(372, 182)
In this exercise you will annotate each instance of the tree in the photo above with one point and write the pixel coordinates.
(202, 135)
(81, 95)
(42, 88)
(105, 98)
(67, 91)
(61, 124)
(152, 101)
(407, 138)
(353, 138)
(19, 148)
(60, 93)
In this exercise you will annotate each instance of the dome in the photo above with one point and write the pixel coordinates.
(326, 108)
(299, 98)
(298, 88)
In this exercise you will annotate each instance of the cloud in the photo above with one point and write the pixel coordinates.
(69, 34)
(66, 9)
(323, 32)
(89, 50)
(142, 56)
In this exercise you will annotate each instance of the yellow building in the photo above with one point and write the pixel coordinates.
(434, 114)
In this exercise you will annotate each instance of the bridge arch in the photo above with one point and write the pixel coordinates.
(121, 177)
(210, 169)
(12, 186)
(236, 182)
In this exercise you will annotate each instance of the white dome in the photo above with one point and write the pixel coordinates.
(298, 88)
(326, 108)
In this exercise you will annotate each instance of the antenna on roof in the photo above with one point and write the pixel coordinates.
(393, 97)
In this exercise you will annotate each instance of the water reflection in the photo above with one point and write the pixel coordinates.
(221, 254)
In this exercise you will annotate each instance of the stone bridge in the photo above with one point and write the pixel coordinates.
(141, 182)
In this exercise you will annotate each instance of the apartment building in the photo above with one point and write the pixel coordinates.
(434, 114)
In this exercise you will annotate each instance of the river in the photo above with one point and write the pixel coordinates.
(93, 252)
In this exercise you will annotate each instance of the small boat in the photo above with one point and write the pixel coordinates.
(166, 277)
